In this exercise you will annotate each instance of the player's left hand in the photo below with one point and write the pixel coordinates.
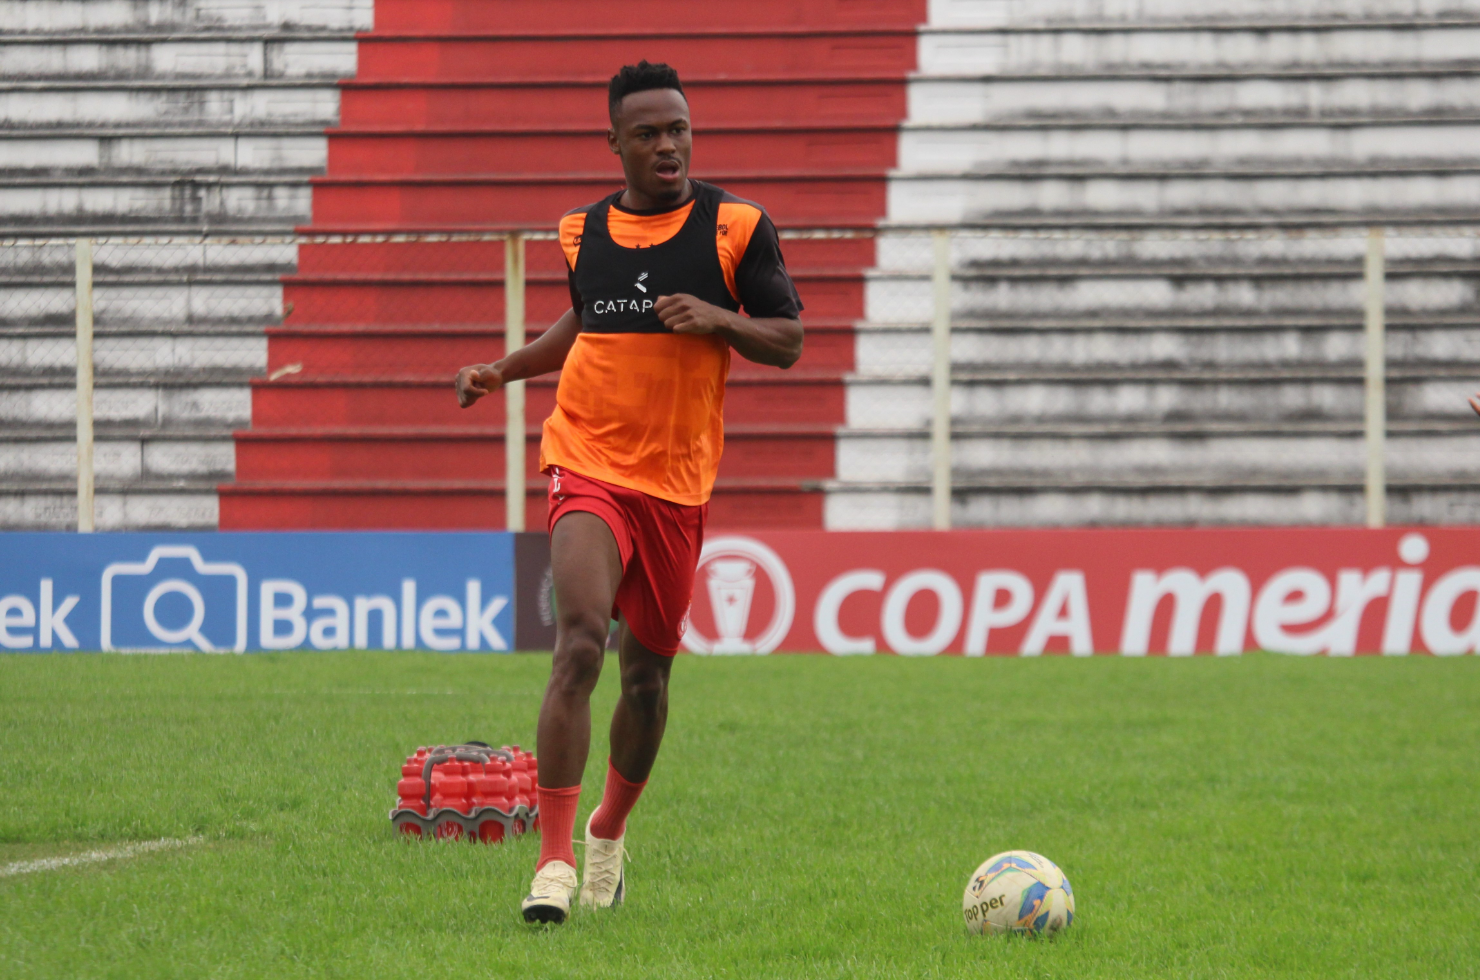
(1475, 402)
(683, 313)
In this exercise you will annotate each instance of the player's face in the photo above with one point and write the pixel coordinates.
(651, 134)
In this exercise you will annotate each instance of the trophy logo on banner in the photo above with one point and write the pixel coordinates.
(731, 588)
(742, 575)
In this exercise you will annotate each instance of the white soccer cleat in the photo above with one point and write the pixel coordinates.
(605, 881)
(550, 893)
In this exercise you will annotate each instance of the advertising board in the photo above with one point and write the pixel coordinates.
(1334, 591)
(234, 592)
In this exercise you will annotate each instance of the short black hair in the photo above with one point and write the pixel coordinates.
(640, 77)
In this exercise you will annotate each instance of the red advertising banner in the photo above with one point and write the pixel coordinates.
(1336, 591)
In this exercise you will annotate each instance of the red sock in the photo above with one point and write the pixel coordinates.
(557, 823)
(610, 820)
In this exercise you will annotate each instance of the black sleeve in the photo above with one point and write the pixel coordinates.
(765, 287)
(576, 302)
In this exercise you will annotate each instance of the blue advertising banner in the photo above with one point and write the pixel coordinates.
(240, 591)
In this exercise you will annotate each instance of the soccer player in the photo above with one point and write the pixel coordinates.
(658, 275)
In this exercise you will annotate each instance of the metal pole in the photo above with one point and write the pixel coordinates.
(84, 384)
(514, 390)
(1376, 377)
(940, 384)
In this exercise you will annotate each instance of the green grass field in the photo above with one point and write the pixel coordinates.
(809, 817)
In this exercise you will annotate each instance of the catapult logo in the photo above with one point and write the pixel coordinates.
(751, 599)
(174, 600)
(638, 304)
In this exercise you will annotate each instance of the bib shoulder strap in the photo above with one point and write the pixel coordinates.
(596, 218)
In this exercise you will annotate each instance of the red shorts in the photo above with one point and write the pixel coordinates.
(659, 541)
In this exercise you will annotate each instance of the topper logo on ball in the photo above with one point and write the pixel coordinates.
(742, 579)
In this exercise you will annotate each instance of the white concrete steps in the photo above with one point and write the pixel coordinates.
(887, 349)
(150, 117)
(162, 446)
(215, 55)
(230, 351)
(47, 455)
(1186, 503)
(1130, 119)
(179, 333)
(1286, 145)
(1054, 290)
(979, 13)
(1295, 452)
(1165, 372)
(282, 152)
(54, 16)
(1145, 395)
(257, 126)
(1271, 44)
(1202, 96)
(259, 103)
(173, 505)
(139, 200)
(147, 401)
(1377, 192)
(169, 292)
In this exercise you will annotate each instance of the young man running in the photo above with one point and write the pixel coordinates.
(658, 275)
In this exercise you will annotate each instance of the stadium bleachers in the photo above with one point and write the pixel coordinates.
(1176, 334)
(1162, 326)
(127, 118)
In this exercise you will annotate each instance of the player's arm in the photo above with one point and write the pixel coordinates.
(545, 355)
(770, 340)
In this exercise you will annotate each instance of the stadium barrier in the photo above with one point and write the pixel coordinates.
(339, 306)
(275, 590)
(1133, 591)
(1332, 591)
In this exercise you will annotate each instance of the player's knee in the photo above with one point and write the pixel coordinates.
(578, 655)
(645, 689)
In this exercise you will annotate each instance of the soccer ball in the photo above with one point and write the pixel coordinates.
(1018, 891)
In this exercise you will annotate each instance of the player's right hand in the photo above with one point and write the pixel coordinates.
(477, 380)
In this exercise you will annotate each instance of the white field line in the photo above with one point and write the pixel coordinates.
(94, 857)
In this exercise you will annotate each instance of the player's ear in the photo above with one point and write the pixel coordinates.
(611, 141)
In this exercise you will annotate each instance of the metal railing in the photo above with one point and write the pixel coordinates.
(118, 281)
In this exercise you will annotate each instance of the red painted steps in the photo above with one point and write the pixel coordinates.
(429, 152)
(478, 505)
(468, 297)
(487, 16)
(544, 255)
(463, 282)
(488, 114)
(447, 453)
(808, 51)
(359, 350)
(777, 398)
(793, 197)
(715, 101)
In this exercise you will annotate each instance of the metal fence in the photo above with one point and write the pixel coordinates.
(136, 306)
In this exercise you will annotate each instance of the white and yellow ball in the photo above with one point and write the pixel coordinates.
(1018, 891)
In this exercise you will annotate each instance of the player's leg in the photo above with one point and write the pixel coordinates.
(586, 566)
(641, 714)
(637, 729)
(654, 597)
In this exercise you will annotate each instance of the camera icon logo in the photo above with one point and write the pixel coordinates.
(176, 598)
